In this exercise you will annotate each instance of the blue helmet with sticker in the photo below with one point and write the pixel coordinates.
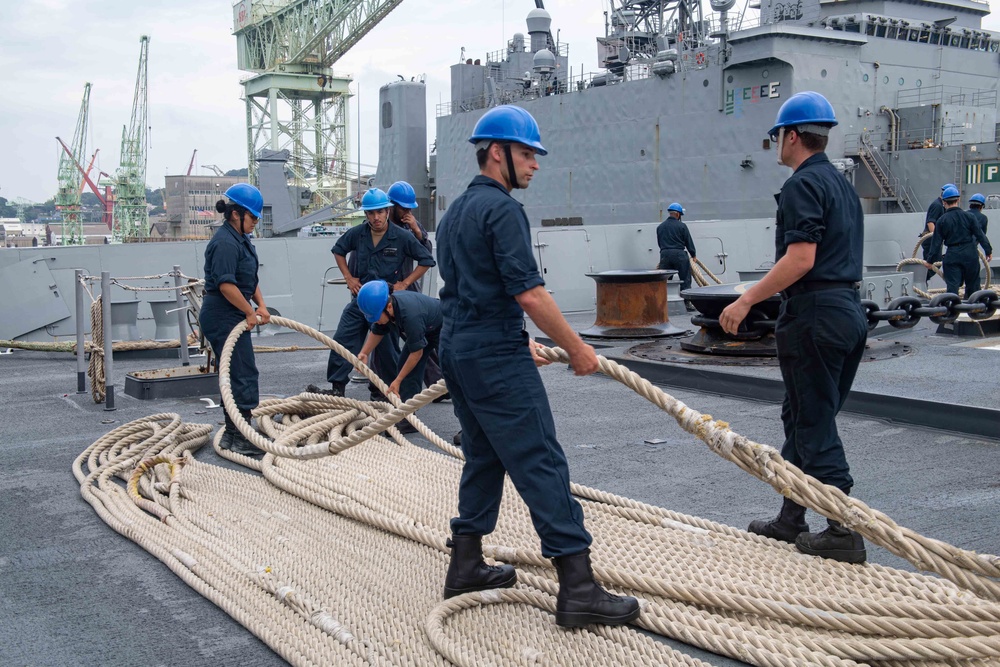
(509, 123)
(950, 192)
(402, 193)
(807, 108)
(374, 200)
(247, 196)
(977, 199)
(676, 207)
(372, 299)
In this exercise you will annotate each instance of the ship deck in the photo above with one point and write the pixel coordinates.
(73, 591)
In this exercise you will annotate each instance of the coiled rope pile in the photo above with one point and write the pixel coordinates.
(336, 554)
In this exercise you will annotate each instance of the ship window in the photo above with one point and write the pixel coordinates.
(705, 83)
(386, 115)
(919, 83)
(822, 73)
(885, 79)
(864, 77)
(729, 79)
(901, 81)
(764, 74)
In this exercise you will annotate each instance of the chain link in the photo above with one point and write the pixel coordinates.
(906, 311)
(902, 313)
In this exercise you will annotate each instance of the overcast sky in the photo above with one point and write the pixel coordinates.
(50, 48)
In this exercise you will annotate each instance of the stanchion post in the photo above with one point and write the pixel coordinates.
(109, 387)
(181, 317)
(81, 341)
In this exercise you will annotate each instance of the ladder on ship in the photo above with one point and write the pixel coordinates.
(890, 187)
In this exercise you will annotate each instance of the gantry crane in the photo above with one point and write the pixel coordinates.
(131, 218)
(296, 102)
(68, 194)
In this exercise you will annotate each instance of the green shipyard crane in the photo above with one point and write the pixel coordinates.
(68, 194)
(296, 102)
(131, 218)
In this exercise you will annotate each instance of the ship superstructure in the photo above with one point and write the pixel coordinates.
(682, 106)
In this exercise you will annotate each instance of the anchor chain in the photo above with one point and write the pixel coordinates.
(902, 313)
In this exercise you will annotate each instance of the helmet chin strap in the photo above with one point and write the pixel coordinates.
(511, 173)
(781, 143)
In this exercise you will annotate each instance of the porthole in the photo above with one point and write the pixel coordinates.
(864, 77)
(729, 79)
(705, 83)
(822, 73)
(764, 74)
(885, 79)
(919, 83)
(901, 81)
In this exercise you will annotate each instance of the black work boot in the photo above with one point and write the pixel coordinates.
(336, 389)
(786, 527)
(582, 601)
(457, 439)
(835, 543)
(467, 572)
(241, 445)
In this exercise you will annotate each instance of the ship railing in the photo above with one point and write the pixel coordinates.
(908, 139)
(500, 55)
(890, 187)
(942, 94)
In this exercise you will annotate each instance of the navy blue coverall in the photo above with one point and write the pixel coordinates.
(385, 262)
(674, 239)
(821, 328)
(485, 258)
(981, 218)
(934, 211)
(960, 231)
(417, 320)
(231, 258)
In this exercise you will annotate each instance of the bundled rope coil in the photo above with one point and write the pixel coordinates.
(282, 553)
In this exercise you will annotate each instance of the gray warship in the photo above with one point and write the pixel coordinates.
(679, 113)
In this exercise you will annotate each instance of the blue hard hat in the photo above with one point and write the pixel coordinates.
(402, 193)
(372, 298)
(247, 196)
(374, 200)
(509, 123)
(950, 192)
(977, 198)
(676, 207)
(948, 185)
(806, 108)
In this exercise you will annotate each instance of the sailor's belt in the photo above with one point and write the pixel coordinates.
(804, 286)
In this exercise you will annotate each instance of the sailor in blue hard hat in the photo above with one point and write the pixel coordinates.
(404, 201)
(976, 204)
(381, 253)
(675, 242)
(416, 319)
(821, 328)
(231, 290)
(491, 280)
(934, 211)
(960, 232)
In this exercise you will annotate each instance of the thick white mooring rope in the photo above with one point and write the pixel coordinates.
(337, 554)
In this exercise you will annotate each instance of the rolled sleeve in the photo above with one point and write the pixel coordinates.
(802, 212)
(346, 243)
(224, 261)
(510, 240)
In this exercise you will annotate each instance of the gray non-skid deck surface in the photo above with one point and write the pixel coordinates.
(74, 592)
